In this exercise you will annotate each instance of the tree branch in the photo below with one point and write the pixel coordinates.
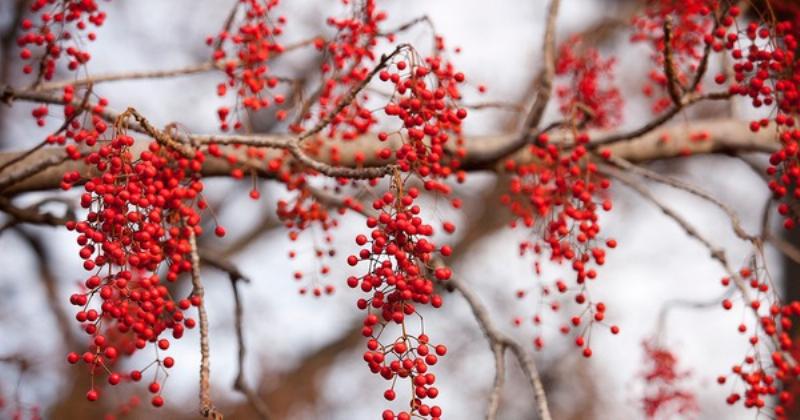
(206, 405)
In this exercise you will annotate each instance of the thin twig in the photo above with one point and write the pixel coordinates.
(736, 223)
(203, 67)
(497, 338)
(351, 95)
(669, 65)
(239, 383)
(206, 405)
(544, 87)
(687, 100)
(717, 253)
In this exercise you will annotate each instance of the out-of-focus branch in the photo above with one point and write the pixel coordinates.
(499, 380)
(235, 277)
(497, 340)
(669, 66)
(49, 282)
(716, 253)
(546, 74)
(32, 214)
(736, 223)
(685, 101)
(543, 89)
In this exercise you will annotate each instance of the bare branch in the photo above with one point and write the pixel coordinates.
(497, 338)
(203, 67)
(239, 383)
(736, 223)
(206, 405)
(543, 90)
(686, 100)
(499, 380)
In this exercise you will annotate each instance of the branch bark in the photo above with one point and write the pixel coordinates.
(45, 168)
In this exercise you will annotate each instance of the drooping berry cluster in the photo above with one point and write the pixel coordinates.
(767, 73)
(664, 394)
(399, 280)
(245, 53)
(303, 213)
(691, 21)
(141, 215)
(425, 100)
(769, 368)
(588, 96)
(350, 56)
(56, 32)
(559, 195)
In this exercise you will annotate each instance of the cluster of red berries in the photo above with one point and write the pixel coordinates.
(769, 369)
(767, 73)
(400, 278)
(692, 21)
(664, 394)
(56, 32)
(425, 101)
(245, 53)
(78, 127)
(141, 216)
(349, 58)
(299, 214)
(588, 96)
(559, 196)
(12, 407)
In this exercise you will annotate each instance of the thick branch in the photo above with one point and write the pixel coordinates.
(45, 168)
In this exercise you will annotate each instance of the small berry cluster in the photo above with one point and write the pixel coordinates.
(664, 395)
(74, 129)
(692, 21)
(558, 195)
(56, 33)
(400, 277)
(588, 97)
(299, 214)
(141, 215)
(769, 369)
(245, 54)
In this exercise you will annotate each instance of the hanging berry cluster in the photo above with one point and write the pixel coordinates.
(425, 100)
(664, 394)
(769, 368)
(691, 21)
(350, 56)
(588, 96)
(245, 53)
(399, 279)
(767, 73)
(301, 213)
(141, 215)
(57, 31)
(559, 195)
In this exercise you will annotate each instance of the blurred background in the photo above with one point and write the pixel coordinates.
(304, 353)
